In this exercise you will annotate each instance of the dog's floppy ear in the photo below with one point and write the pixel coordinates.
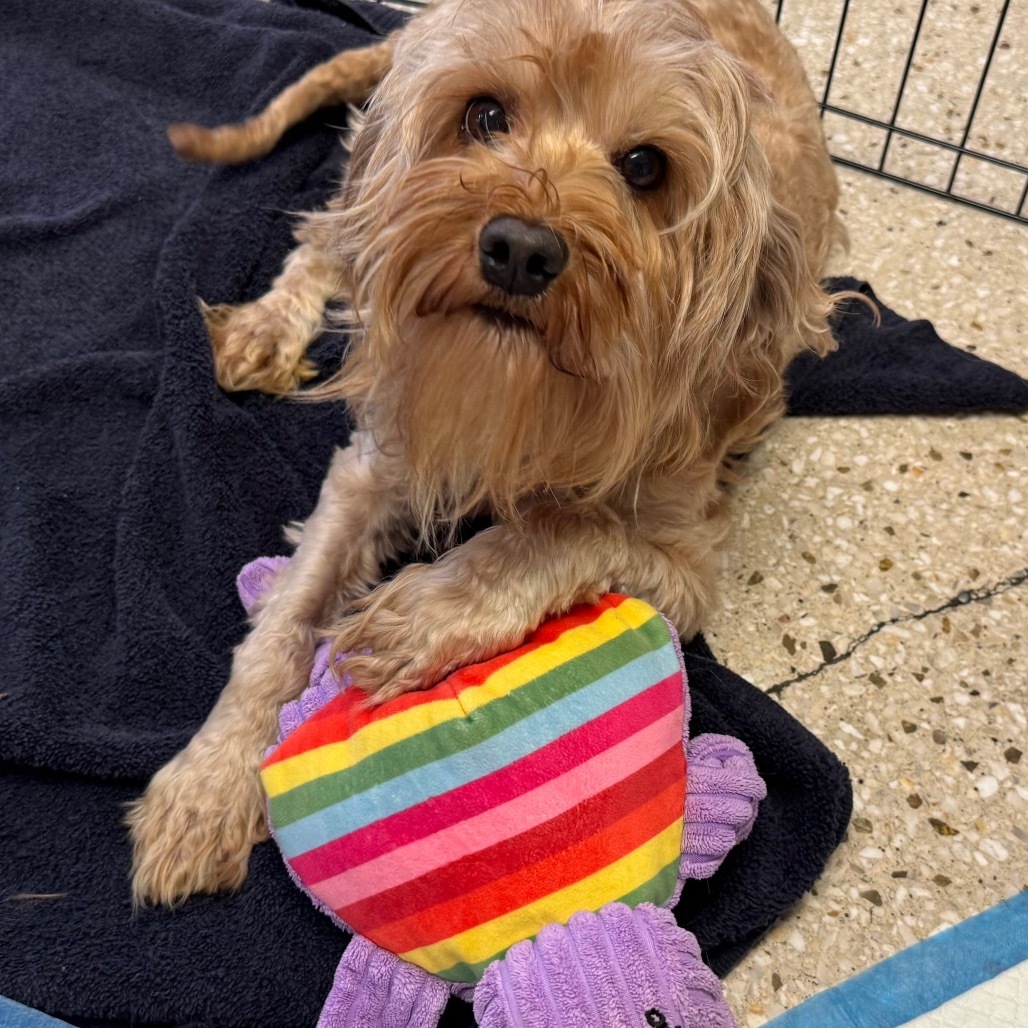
(748, 297)
(362, 145)
(343, 229)
(747, 289)
(789, 310)
(344, 226)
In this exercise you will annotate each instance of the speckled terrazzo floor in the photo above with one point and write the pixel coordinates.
(877, 585)
(878, 579)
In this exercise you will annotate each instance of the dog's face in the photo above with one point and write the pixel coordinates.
(564, 248)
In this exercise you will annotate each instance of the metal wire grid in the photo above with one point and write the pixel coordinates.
(1016, 211)
(891, 127)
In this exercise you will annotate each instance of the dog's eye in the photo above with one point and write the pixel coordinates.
(485, 118)
(643, 167)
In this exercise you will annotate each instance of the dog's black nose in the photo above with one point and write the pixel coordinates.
(519, 257)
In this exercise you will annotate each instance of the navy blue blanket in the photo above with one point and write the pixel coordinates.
(896, 366)
(132, 490)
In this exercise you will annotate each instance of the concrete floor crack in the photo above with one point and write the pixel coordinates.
(962, 599)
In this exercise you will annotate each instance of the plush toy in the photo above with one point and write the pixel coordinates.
(516, 834)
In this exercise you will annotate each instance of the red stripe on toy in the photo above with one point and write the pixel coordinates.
(548, 632)
(497, 862)
(520, 814)
(542, 878)
(346, 714)
(483, 794)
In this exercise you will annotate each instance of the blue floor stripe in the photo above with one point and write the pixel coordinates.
(14, 1015)
(922, 977)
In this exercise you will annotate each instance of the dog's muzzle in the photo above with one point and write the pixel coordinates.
(521, 258)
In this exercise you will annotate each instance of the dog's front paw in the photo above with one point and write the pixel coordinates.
(256, 346)
(194, 827)
(410, 633)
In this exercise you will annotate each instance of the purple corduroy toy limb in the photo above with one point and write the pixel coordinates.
(620, 967)
(374, 987)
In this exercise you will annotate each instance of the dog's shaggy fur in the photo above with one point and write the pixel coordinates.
(672, 150)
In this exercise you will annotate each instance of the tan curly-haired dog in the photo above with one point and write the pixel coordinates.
(580, 240)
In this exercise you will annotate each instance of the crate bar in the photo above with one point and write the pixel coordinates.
(903, 85)
(835, 55)
(921, 138)
(1011, 215)
(978, 93)
(1020, 203)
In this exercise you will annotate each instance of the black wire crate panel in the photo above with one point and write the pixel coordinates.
(928, 93)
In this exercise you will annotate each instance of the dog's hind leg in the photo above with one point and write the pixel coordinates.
(349, 77)
(263, 345)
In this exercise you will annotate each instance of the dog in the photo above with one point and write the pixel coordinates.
(579, 240)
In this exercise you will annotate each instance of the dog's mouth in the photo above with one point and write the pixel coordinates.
(508, 323)
(504, 320)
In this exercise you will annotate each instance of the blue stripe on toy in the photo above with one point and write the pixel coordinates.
(526, 736)
(922, 977)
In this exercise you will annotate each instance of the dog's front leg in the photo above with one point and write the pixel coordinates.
(194, 827)
(483, 597)
(487, 595)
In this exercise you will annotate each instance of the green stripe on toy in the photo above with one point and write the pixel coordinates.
(410, 752)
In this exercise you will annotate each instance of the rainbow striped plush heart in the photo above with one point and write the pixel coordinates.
(447, 825)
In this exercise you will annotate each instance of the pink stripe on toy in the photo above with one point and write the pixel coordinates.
(499, 822)
(474, 798)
